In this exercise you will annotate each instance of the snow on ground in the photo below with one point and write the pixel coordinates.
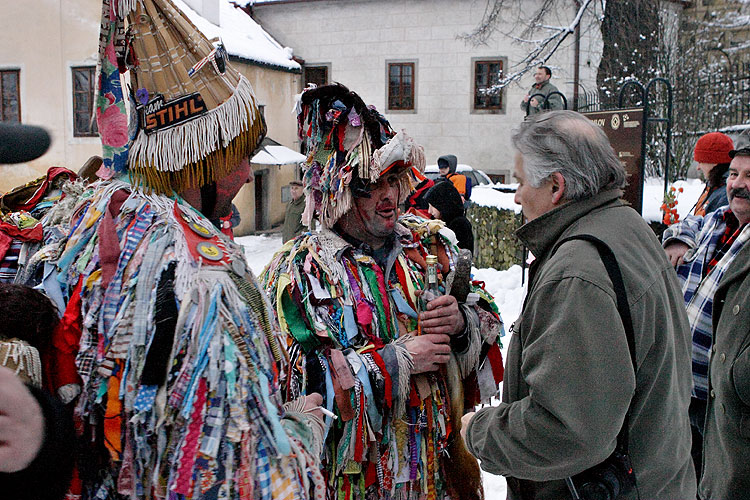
(653, 197)
(505, 286)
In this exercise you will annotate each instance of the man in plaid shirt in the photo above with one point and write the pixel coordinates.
(701, 249)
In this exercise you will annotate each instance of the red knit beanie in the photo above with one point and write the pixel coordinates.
(713, 147)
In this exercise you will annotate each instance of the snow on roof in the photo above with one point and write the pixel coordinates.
(277, 155)
(242, 36)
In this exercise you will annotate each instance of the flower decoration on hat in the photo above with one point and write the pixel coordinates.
(193, 117)
(349, 146)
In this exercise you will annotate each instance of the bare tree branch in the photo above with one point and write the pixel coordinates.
(541, 49)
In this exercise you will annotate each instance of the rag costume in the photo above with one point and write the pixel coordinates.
(569, 378)
(175, 350)
(168, 350)
(23, 213)
(348, 311)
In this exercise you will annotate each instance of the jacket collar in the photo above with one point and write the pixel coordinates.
(541, 233)
(739, 266)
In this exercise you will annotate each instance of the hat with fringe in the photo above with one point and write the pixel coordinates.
(349, 146)
(193, 117)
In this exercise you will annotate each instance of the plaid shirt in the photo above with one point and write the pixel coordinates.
(712, 249)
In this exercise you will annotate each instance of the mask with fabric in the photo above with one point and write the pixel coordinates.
(349, 147)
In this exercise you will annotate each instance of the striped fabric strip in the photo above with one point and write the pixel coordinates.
(113, 297)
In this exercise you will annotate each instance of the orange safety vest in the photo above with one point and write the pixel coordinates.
(459, 181)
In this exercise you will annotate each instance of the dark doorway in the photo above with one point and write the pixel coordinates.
(260, 200)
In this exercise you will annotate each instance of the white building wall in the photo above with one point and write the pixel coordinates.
(44, 39)
(357, 38)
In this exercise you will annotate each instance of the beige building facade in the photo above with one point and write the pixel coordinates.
(368, 45)
(48, 56)
(40, 44)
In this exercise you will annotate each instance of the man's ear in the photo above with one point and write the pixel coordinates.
(558, 188)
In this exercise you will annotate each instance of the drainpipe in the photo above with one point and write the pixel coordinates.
(576, 73)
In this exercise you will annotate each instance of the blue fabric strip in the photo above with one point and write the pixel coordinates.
(401, 304)
(350, 323)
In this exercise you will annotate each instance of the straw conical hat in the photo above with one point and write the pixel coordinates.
(197, 116)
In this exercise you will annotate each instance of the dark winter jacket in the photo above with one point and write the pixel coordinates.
(48, 476)
(569, 380)
(446, 199)
(726, 439)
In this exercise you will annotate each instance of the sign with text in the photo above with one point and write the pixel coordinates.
(158, 114)
(624, 128)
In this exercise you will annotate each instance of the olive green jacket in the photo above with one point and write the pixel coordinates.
(293, 219)
(569, 380)
(546, 88)
(726, 439)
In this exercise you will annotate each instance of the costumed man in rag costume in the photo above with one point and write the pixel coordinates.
(168, 350)
(391, 368)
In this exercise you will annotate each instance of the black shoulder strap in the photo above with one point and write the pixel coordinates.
(613, 270)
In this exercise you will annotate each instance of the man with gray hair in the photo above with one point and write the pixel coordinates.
(577, 419)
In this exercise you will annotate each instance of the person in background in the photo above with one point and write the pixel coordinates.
(293, 217)
(539, 94)
(447, 166)
(230, 221)
(712, 154)
(444, 203)
(570, 381)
